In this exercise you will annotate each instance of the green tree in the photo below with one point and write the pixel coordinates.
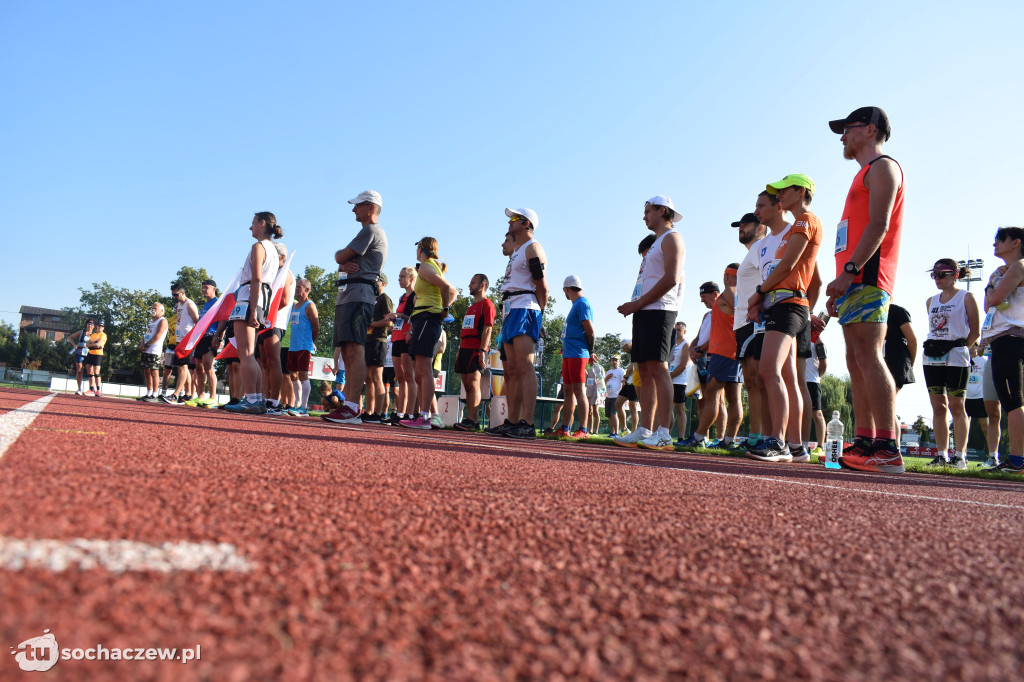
(606, 346)
(126, 314)
(324, 293)
(922, 429)
(192, 279)
(836, 394)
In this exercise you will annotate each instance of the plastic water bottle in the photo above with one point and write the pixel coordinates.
(833, 441)
(538, 359)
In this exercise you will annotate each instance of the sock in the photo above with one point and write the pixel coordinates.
(304, 392)
(865, 435)
(273, 403)
(727, 440)
(961, 455)
(807, 445)
(352, 405)
(887, 443)
(994, 455)
(251, 397)
(699, 436)
(753, 437)
(583, 429)
(889, 434)
(794, 446)
(425, 415)
(663, 431)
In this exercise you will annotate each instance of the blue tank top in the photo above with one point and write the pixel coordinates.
(301, 330)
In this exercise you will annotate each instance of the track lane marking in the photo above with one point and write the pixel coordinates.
(118, 556)
(17, 420)
(612, 460)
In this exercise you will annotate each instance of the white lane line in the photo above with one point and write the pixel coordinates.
(119, 556)
(752, 477)
(18, 419)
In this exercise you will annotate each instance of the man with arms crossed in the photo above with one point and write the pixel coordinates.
(524, 294)
(867, 250)
(359, 266)
(654, 306)
(152, 351)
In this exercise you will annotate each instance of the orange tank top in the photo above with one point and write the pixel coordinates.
(723, 338)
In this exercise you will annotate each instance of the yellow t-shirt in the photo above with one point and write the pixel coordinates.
(98, 337)
(428, 296)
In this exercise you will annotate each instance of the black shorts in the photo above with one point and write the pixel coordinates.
(388, 376)
(748, 344)
(204, 346)
(93, 360)
(788, 318)
(628, 392)
(652, 335)
(976, 408)
(399, 348)
(375, 352)
(1007, 363)
(609, 406)
(678, 393)
(284, 356)
(187, 361)
(941, 380)
(152, 361)
(803, 341)
(469, 360)
(426, 331)
(351, 320)
(814, 388)
(266, 336)
(501, 353)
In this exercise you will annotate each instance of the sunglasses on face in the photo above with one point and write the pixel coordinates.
(941, 275)
(515, 219)
(854, 125)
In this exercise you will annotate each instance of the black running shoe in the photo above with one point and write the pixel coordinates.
(500, 429)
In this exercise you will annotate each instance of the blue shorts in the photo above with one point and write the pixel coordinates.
(863, 303)
(520, 321)
(724, 370)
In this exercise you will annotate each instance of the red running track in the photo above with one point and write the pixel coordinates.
(385, 553)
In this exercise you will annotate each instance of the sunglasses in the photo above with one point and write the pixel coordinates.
(516, 219)
(941, 275)
(854, 125)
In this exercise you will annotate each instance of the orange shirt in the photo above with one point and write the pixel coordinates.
(799, 278)
(723, 338)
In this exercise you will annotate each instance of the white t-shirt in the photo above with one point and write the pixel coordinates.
(678, 360)
(766, 250)
(948, 322)
(975, 382)
(812, 366)
(704, 335)
(614, 379)
(747, 279)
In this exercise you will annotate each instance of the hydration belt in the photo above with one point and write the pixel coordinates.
(356, 280)
(779, 295)
(505, 295)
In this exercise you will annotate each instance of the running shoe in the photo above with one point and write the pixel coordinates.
(500, 429)
(78, 392)
(273, 410)
(467, 424)
(211, 404)
(939, 461)
(169, 399)
(149, 399)
(991, 463)
(229, 403)
(90, 393)
(245, 407)
(195, 402)
(737, 446)
(714, 443)
(370, 418)
(548, 431)
(396, 419)
(817, 453)
(631, 440)
(580, 434)
(522, 431)
(800, 455)
(773, 450)
(343, 415)
(659, 440)
(435, 422)
(874, 459)
(959, 463)
(1008, 468)
(418, 423)
(298, 412)
(692, 442)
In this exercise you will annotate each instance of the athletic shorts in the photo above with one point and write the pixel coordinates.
(351, 320)
(375, 352)
(574, 370)
(399, 348)
(388, 376)
(187, 361)
(520, 321)
(678, 393)
(814, 388)
(93, 360)
(426, 331)
(609, 407)
(501, 353)
(1007, 363)
(788, 318)
(723, 370)
(284, 357)
(941, 380)
(803, 341)
(592, 394)
(298, 361)
(863, 303)
(628, 392)
(469, 360)
(652, 335)
(204, 346)
(975, 408)
(79, 359)
(748, 344)
(151, 361)
(988, 387)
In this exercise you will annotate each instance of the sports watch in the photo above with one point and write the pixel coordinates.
(851, 268)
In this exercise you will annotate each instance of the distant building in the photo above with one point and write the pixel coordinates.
(44, 323)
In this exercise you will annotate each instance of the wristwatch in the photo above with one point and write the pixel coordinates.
(758, 291)
(851, 268)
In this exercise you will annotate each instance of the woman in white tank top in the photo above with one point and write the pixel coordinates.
(953, 328)
(248, 315)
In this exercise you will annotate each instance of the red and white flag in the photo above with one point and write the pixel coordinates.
(230, 350)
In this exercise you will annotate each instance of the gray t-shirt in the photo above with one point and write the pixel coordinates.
(372, 247)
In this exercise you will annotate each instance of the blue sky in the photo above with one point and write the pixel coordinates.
(138, 138)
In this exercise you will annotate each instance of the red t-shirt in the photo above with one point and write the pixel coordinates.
(402, 327)
(478, 316)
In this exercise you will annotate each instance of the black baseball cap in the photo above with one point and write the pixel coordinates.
(709, 288)
(870, 115)
(210, 282)
(747, 218)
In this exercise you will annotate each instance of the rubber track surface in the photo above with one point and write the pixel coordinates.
(386, 553)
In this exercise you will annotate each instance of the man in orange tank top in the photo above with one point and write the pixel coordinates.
(867, 248)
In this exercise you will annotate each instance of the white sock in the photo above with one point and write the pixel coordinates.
(425, 415)
(251, 397)
(304, 392)
(663, 431)
(699, 436)
(961, 455)
(994, 455)
(353, 405)
(273, 403)
(807, 444)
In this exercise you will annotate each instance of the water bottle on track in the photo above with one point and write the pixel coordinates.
(833, 441)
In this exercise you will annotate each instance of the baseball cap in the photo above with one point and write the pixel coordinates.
(382, 278)
(709, 288)
(100, 323)
(209, 282)
(797, 179)
(368, 197)
(869, 115)
(572, 281)
(527, 213)
(747, 218)
(662, 200)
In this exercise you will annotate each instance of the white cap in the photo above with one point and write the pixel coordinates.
(525, 212)
(368, 197)
(662, 200)
(573, 281)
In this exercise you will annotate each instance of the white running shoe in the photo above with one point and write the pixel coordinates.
(631, 440)
(659, 440)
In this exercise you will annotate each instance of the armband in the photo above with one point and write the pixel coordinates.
(536, 268)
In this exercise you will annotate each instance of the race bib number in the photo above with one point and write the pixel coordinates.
(399, 323)
(759, 327)
(469, 322)
(936, 361)
(989, 316)
(565, 328)
(240, 311)
(506, 306)
(841, 231)
(342, 281)
(294, 317)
